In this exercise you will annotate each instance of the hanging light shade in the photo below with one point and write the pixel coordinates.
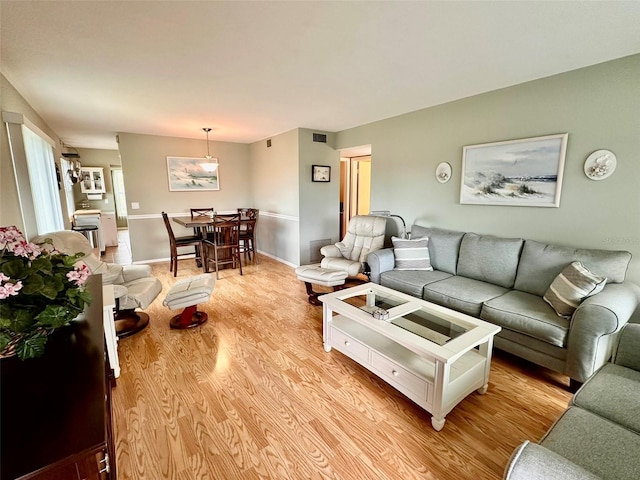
(211, 164)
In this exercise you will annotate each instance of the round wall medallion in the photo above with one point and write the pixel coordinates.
(443, 172)
(600, 164)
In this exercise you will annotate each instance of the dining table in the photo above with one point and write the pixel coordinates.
(200, 224)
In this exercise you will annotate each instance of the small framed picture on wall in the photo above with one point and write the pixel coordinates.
(320, 173)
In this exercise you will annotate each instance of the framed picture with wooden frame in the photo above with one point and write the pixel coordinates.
(524, 173)
(192, 174)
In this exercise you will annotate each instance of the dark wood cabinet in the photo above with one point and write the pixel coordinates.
(55, 411)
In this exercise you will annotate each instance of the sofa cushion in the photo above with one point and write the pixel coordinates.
(411, 282)
(534, 462)
(596, 444)
(411, 254)
(444, 246)
(527, 314)
(462, 294)
(612, 393)
(489, 259)
(571, 286)
(540, 263)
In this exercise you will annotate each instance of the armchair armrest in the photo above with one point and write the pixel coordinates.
(594, 328)
(330, 251)
(531, 461)
(134, 272)
(628, 353)
(380, 261)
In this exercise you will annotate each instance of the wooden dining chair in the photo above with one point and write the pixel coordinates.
(248, 232)
(203, 212)
(177, 242)
(224, 248)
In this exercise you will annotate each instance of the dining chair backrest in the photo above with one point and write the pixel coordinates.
(249, 212)
(225, 244)
(167, 223)
(227, 227)
(202, 212)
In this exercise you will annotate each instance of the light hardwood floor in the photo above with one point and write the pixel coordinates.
(252, 394)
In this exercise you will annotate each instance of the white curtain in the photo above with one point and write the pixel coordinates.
(66, 166)
(44, 185)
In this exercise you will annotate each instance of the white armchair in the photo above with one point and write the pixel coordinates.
(141, 287)
(365, 234)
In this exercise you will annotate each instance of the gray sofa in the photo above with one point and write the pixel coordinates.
(598, 436)
(503, 280)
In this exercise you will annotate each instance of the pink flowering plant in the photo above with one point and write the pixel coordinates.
(41, 290)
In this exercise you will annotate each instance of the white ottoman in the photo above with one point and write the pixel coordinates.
(187, 293)
(315, 274)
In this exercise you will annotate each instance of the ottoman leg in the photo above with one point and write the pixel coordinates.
(189, 318)
(313, 296)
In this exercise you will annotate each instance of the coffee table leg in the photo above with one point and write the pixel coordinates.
(437, 423)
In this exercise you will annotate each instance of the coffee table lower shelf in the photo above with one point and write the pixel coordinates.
(434, 385)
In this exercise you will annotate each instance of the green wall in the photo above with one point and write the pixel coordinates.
(12, 101)
(598, 106)
(274, 190)
(319, 201)
(144, 167)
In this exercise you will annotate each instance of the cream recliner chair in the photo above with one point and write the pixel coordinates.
(365, 234)
(141, 287)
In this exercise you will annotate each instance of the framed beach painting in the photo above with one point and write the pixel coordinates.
(190, 174)
(524, 173)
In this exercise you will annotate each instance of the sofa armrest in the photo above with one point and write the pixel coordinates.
(330, 251)
(594, 328)
(531, 461)
(380, 261)
(628, 352)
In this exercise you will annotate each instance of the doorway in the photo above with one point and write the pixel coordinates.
(120, 200)
(355, 184)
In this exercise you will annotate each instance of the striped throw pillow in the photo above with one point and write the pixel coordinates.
(411, 254)
(572, 286)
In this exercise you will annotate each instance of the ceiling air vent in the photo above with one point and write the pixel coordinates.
(320, 137)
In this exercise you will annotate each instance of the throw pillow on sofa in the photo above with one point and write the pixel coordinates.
(575, 283)
(411, 254)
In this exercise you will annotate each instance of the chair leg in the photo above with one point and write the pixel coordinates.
(174, 261)
(253, 249)
(205, 259)
(215, 254)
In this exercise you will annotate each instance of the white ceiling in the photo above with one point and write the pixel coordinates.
(251, 70)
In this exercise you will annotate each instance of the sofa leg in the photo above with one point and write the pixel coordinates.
(574, 385)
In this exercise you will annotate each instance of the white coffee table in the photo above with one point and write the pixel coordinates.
(425, 351)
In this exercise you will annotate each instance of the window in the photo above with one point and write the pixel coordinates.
(44, 185)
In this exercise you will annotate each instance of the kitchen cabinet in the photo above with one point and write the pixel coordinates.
(56, 409)
(92, 180)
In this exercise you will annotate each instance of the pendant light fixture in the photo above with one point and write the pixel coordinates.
(211, 164)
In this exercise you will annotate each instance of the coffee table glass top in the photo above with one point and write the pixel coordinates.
(382, 300)
(420, 321)
(429, 326)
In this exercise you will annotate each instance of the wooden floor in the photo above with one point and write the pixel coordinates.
(252, 394)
